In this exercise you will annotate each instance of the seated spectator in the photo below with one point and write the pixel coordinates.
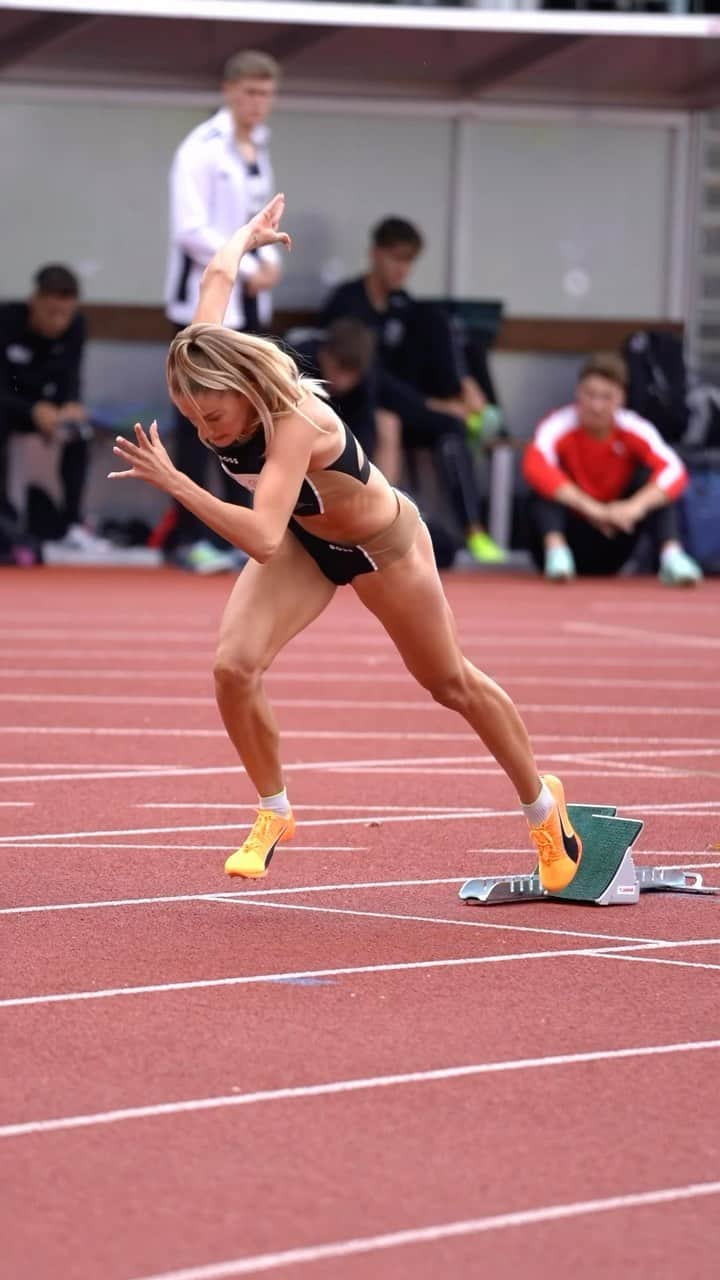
(601, 476)
(41, 346)
(421, 380)
(343, 357)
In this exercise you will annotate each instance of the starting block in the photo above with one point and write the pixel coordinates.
(607, 875)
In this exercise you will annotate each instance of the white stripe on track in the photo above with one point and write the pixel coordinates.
(360, 1084)
(655, 639)
(229, 893)
(460, 815)
(242, 980)
(319, 678)
(114, 847)
(681, 964)
(174, 731)
(351, 704)
(439, 1231)
(644, 943)
(344, 887)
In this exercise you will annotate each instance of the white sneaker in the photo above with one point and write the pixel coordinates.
(78, 538)
(678, 569)
(559, 564)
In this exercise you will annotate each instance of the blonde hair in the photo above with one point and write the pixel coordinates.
(209, 357)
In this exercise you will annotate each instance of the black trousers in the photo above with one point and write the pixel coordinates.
(74, 463)
(444, 434)
(595, 554)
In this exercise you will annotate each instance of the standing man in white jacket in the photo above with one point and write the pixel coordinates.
(221, 176)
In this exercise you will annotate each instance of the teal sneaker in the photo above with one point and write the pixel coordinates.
(559, 564)
(678, 569)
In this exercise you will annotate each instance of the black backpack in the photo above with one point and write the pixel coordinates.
(657, 386)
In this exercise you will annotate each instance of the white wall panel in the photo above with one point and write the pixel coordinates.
(87, 184)
(560, 217)
(567, 218)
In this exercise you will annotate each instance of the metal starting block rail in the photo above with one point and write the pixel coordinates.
(607, 875)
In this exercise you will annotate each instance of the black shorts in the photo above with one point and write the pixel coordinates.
(341, 561)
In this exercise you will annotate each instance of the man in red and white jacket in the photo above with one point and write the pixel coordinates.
(601, 475)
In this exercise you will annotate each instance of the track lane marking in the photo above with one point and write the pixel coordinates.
(350, 704)
(440, 1231)
(403, 966)
(359, 1084)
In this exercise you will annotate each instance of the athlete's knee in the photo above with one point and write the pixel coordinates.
(236, 670)
(450, 688)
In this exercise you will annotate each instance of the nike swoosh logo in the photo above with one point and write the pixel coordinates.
(273, 847)
(570, 842)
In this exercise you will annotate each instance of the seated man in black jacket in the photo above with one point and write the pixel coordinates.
(41, 346)
(421, 379)
(343, 356)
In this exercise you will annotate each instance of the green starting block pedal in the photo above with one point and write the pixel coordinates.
(607, 875)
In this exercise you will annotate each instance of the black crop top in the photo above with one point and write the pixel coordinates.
(245, 460)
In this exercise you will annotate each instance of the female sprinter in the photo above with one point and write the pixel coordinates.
(322, 516)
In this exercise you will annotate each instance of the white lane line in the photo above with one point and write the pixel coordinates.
(439, 1231)
(599, 631)
(349, 704)
(480, 767)
(243, 980)
(360, 1084)
(229, 893)
(399, 676)
(644, 943)
(16, 804)
(114, 847)
(460, 815)
(370, 809)
(620, 755)
(94, 764)
(241, 896)
(682, 964)
(475, 771)
(320, 638)
(170, 731)
(691, 866)
(199, 662)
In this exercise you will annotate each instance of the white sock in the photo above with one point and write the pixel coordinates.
(541, 808)
(278, 803)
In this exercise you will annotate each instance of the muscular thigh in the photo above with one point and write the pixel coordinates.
(409, 600)
(270, 603)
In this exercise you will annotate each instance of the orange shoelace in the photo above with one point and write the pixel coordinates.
(261, 833)
(546, 846)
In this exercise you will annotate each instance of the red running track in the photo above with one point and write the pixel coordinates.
(344, 1071)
